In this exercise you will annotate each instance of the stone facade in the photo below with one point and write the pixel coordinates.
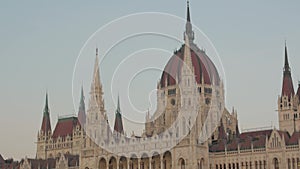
(174, 138)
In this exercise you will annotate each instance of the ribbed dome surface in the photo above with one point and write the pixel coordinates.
(204, 68)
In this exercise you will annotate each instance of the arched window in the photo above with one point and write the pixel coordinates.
(181, 163)
(275, 163)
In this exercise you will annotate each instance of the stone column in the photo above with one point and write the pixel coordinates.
(128, 160)
(139, 163)
(162, 162)
(118, 163)
(150, 163)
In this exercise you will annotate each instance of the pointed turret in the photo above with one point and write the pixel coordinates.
(46, 125)
(81, 111)
(118, 120)
(188, 25)
(287, 85)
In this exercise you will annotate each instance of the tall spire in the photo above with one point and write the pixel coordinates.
(46, 109)
(96, 87)
(46, 125)
(188, 25)
(286, 61)
(287, 84)
(96, 75)
(118, 120)
(81, 111)
(188, 16)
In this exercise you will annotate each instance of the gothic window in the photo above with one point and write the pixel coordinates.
(199, 89)
(173, 102)
(207, 101)
(208, 90)
(171, 91)
(275, 163)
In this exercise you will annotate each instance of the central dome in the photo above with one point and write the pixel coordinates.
(204, 69)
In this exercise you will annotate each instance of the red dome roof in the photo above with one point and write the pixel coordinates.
(204, 68)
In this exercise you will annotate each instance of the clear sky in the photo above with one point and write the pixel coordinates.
(40, 42)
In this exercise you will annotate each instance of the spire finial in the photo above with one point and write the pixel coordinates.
(188, 25)
(46, 109)
(286, 61)
(188, 16)
(118, 108)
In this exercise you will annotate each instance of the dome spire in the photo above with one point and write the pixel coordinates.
(188, 16)
(188, 26)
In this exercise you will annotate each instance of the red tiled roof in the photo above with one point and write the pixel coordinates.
(46, 126)
(294, 139)
(65, 126)
(256, 133)
(39, 163)
(203, 66)
(256, 138)
(1, 159)
(8, 163)
(73, 160)
(287, 86)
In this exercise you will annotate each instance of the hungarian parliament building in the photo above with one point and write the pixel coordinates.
(190, 129)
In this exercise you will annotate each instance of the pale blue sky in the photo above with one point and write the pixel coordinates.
(40, 42)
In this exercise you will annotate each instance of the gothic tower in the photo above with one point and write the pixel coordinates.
(288, 102)
(45, 132)
(97, 123)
